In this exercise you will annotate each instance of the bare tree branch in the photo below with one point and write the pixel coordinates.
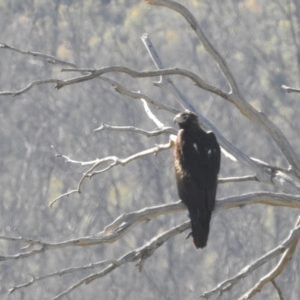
(124, 223)
(274, 199)
(94, 73)
(114, 162)
(272, 167)
(139, 255)
(165, 82)
(280, 295)
(61, 273)
(285, 182)
(50, 59)
(288, 246)
(137, 95)
(151, 116)
(285, 259)
(205, 42)
(168, 130)
(30, 86)
(289, 89)
(237, 179)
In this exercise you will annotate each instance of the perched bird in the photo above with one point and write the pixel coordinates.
(197, 159)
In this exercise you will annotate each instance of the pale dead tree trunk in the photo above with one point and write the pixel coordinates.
(285, 180)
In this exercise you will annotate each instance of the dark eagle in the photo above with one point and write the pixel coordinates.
(197, 158)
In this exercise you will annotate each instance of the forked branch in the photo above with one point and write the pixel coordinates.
(288, 247)
(112, 160)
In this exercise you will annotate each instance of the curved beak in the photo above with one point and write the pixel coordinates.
(177, 119)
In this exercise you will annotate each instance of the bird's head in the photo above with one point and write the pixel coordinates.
(186, 119)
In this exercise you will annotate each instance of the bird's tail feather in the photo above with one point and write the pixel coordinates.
(200, 228)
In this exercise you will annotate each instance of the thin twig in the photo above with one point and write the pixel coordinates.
(50, 59)
(164, 130)
(61, 273)
(289, 89)
(30, 86)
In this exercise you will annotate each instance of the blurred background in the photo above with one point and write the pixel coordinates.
(261, 44)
